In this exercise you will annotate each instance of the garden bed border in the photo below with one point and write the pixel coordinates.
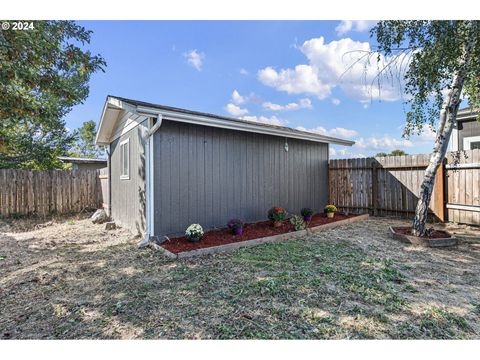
(254, 242)
(425, 242)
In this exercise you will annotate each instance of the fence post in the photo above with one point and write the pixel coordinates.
(439, 193)
(374, 170)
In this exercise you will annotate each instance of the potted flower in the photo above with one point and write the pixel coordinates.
(307, 214)
(330, 210)
(194, 233)
(236, 225)
(277, 215)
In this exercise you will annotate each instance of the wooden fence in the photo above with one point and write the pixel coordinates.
(49, 191)
(390, 186)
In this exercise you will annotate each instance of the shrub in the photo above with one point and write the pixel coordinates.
(330, 209)
(277, 214)
(235, 224)
(194, 230)
(306, 212)
(298, 222)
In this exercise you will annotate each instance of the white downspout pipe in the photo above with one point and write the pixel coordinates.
(149, 180)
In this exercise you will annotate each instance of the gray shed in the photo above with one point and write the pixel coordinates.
(171, 167)
(79, 163)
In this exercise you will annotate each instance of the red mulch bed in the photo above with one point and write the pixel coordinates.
(250, 231)
(437, 234)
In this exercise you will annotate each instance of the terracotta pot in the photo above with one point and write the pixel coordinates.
(330, 215)
(307, 218)
(194, 239)
(277, 223)
(238, 231)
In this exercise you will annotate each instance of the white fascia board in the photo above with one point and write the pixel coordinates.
(226, 124)
(112, 108)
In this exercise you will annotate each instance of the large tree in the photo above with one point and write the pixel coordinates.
(44, 72)
(84, 145)
(444, 66)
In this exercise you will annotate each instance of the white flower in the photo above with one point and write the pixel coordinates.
(194, 230)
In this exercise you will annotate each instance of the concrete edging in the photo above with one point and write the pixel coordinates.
(414, 240)
(254, 242)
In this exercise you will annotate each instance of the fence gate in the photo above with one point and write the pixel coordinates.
(391, 185)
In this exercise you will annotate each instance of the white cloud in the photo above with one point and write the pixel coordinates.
(335, 101)
(195, 59)
(370, 146)
(243, 71)
(354, 25)
(302, 79)
(335, 132)
(273, 120)
(302, 104)
(235, 110)
(383, 143)
(347, 64)
(237, 98)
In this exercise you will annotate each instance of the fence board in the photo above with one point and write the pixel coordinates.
(50, 191)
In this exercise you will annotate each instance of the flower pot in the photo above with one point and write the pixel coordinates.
(330, 215)
(277, 223)
(194, 239)
(238, 231)
(307, 218)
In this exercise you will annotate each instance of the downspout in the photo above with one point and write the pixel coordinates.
(149, 181)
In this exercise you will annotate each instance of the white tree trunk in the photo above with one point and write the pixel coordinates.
(448, 115)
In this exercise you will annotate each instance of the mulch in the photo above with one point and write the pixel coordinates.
(250, 231)
(437, 234)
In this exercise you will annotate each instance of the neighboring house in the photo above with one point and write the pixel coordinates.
(466, 135)
(84, 163)
(172, 167)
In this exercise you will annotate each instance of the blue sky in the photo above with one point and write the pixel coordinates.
(285, 72)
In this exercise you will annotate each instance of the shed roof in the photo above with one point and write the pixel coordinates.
(79, 160)
(114, 104)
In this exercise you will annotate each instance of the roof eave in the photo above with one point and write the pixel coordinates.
(241, 126)
(115, 105)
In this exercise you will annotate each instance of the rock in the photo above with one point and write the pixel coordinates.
(99, 217)
(110, 226)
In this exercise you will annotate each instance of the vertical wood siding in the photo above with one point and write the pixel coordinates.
(128, 195)
(207, 175)
(467, 129)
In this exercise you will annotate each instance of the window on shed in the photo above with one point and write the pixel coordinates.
(125, 159)
(475, 145)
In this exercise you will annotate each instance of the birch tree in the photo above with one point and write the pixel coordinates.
(444, 68)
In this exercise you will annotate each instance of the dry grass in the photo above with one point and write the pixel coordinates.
(72, 279)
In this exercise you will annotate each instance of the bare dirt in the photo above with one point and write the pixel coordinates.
(69, 279)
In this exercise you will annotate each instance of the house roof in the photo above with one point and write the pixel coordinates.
(114, 105)
(79, 160)
(467, 113)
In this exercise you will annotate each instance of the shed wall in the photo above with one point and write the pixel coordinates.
(208, 176)
(128, 195)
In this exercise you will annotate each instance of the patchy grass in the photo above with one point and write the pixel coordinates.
(76, 280)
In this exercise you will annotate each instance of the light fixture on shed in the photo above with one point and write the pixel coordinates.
(286, 145)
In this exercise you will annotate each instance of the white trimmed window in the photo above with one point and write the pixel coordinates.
(125, 159)
(471, 142)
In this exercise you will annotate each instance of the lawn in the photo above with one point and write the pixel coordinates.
(72, 279)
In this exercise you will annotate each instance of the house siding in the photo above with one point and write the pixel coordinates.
(209, 175)
(128, 195)
(467, 129)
